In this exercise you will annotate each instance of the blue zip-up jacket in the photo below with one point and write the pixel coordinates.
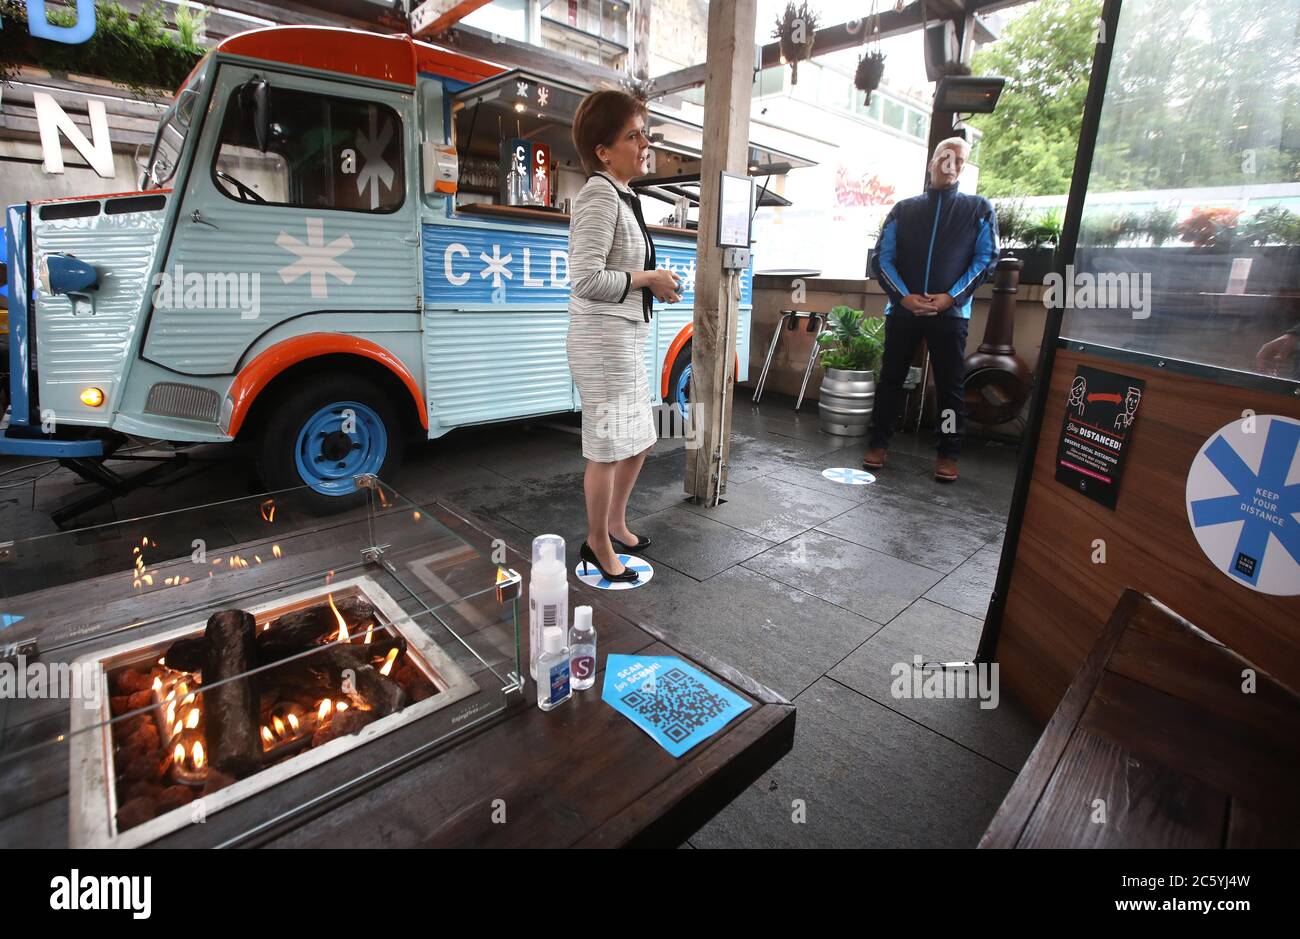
(942, 241)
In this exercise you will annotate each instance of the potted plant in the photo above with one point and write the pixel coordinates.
(1160, 225)
(1042, 236)
(796, 29)
(871, 68)
(1212, 228)
(850, 354)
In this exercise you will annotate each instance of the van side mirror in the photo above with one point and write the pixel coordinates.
(254, 103)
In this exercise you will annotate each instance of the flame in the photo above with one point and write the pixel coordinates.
(216, 561)
(388, 662)
(171, 714)
(324, 710)
(148, 579)
(182, 688)
(189, 698)
(341, 706)
(135, 550)
(278, 725)
(192, 718)
(163, 660)
(176, 730)
(266, 734)
(157, 684)
(257, 558)
(293, 723)
(370, 631)
(179, 753)
(343, 627)
(196, 754)
(268, 510)
(275, 551)
(415, 516)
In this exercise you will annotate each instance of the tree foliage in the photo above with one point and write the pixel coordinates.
(1030, 140)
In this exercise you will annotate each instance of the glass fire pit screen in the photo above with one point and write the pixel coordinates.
(212, 676)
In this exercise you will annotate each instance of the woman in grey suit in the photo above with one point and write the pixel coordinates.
(612, 281)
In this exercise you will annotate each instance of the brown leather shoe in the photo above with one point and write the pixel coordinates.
(875, 458)
(945, 470)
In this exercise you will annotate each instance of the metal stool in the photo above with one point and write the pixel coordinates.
(789, 321)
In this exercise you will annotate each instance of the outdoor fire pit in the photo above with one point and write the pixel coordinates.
(216, 711)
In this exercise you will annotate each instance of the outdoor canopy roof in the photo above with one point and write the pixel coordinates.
(519, 103)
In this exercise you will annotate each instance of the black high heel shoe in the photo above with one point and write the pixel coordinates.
(588, 556)
(623, 547)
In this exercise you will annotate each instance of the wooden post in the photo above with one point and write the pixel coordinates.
(639, 30)
(727, 88)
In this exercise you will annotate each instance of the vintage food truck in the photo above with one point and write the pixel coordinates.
(324, 258)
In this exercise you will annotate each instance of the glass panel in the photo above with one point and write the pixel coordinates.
(894, 113)
(1190, 236)
(323, 143)
(241, 662)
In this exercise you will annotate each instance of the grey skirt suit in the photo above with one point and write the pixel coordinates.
(609, 322)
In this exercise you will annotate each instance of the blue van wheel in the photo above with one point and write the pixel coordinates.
(338, 442)
(682, 392)
(679, 381)
(323, 431)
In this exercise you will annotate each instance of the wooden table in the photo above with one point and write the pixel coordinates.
(1157, 743)
(580, 775)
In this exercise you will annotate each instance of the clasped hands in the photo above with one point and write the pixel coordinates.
(664, 284)
(927, 304)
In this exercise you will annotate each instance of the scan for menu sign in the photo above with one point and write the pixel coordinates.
(1100, 413)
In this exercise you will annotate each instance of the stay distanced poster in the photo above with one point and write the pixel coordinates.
(1100, 413)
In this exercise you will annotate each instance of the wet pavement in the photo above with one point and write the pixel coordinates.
(815, 588)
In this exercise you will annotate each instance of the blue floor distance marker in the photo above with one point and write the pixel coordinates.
(8, 619)
(593, 578)
(848, 476)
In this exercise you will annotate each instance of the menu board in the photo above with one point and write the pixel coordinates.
(735, 211)
(1100, 412)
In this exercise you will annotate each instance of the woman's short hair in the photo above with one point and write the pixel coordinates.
(599, 118)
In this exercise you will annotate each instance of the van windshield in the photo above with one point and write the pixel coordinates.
(169, 141)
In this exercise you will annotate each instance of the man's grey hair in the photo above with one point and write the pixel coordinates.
(958, 142)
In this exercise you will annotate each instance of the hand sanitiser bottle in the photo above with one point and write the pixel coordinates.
(548, 594)
(553, 670)
(582, 650)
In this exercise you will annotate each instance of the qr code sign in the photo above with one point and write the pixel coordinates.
(676, 704)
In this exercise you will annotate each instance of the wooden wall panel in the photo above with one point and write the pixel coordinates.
(1058, 600)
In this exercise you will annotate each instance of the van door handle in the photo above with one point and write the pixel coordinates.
(197, 218)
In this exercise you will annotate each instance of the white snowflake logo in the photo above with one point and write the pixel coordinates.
(316, 258)
(543, 93)
(374, 168)
(496, 266)
(521, 89)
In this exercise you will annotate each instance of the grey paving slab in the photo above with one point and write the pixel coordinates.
(984, 487)
(866, 777)
(883, 669)
(969, 587)
(695, 545)
(773, 508)
(935, 537)
(876, 585)
(781, 636)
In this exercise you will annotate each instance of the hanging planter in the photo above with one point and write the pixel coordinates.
(871, 68)
(796, 28)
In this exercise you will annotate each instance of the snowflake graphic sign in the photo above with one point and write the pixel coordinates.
(1243, 502)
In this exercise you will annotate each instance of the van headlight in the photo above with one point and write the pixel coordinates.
(66, 274)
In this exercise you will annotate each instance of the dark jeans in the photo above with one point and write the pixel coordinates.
(945, 337)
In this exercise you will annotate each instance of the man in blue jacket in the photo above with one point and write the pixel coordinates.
(934, 250)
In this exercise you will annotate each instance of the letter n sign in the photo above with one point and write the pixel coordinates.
(39, 25)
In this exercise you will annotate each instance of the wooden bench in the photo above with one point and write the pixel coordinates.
(1158, 743)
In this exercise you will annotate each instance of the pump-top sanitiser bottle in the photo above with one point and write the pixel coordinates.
(548, 594)
(553, 687)
(582, 650)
